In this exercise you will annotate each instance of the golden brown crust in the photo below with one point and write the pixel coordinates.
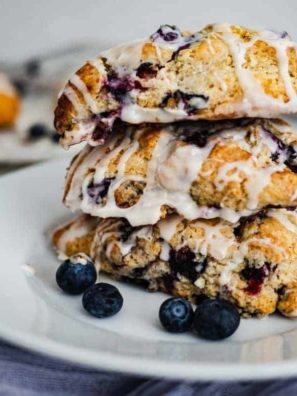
(261, 280)
(203, 66)
(244, 168)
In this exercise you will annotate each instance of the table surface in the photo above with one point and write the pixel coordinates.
(23, 373)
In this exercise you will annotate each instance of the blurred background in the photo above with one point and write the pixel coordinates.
(43, 42)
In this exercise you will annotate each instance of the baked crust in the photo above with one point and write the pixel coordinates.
(199, 170)
(223, 71)
(253, 264)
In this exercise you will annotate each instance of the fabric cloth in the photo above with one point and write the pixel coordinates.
(23, 373)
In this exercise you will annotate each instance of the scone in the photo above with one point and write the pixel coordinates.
(9, 102)
(198, 170)
(252, 264)
(224, 71)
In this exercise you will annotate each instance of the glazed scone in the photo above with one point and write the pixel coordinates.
(253, 264)
(198, 170)
(75, 236)
(9, 102)
(224, 71)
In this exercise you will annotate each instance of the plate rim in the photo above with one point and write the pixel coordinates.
(146, 366)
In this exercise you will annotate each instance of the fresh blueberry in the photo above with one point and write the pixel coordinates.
(36, 131)
(176, 315)
(102, 300)
(55, 136)
(32, 68)
(216, 319)
(76, 274)
(21, 86)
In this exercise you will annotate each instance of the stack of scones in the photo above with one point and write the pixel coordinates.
(188, 181)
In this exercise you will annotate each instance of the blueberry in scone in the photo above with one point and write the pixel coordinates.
(221, 72)
(253, 265)
(238, 168)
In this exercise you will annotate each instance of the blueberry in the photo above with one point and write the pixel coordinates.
(216, 319)
(32, 68)
(255, 278)
(291, 160)
(102, 300)
(119, 86)
(97, 191)
(21, 86)
(185, 262)
(76, 274)
(166, 33)
(55, 137)
(37, 131)
(125, 229)
(146, 70)
(176, 315)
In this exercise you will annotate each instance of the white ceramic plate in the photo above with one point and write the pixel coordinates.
(37, 315)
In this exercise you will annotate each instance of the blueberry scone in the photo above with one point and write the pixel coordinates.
(225, 169)
(253, 263)
(9, 102)
(223, 71)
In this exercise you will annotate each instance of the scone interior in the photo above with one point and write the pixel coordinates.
(221, 72)
(225, 169)
(253, 264)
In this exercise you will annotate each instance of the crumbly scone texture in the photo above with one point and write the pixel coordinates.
(75, 236)
(252, 264)
(223, 71)
(224, 169)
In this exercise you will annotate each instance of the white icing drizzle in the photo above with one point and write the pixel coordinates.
(165, 249)
(226, 274)
(294, 195)
(80, 258)
(170, 173)
(214, 242)
(284, 217)
(182, 166)
(79, 227)
(167, 227)
(135, 114)
(80, 109)
(256, 102)
(126, 58)
(81, 86)
(261, 241)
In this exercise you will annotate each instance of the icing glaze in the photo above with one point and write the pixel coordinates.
(172, 169)
(123, 61)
